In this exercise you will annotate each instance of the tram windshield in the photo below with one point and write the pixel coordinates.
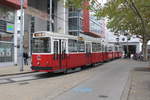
(41, 45)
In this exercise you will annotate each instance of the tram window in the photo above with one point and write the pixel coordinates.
(88, 48)
(63, 47)
(94, 47)
(41, 45)
(106, 49)
(116, 48)
(55, 47)
(81, 46)
(102, 48)
(110, 49)
(72, 45)
(98, 47)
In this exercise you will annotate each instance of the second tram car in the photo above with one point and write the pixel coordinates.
(53, 52)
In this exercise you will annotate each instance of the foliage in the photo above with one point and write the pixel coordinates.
(124, 16)
(131, 16)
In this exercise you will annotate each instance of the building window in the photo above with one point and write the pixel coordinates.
(73, 24)
(32, 24)
(48, 26)
(74, 33)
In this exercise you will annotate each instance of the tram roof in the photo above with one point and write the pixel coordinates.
(61, 35)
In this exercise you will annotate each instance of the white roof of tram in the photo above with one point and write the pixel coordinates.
(61, 35)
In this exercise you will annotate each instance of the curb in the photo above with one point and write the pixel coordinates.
(15, 74)
(126, 90)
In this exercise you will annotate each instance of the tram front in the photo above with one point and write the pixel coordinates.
(41, 53)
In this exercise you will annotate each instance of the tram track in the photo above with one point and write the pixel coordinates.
(38, 75)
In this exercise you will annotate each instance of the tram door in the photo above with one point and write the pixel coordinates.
(88, 53)
(59, 49)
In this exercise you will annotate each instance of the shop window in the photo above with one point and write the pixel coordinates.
(6, 52)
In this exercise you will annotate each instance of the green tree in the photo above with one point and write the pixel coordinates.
(124, 16)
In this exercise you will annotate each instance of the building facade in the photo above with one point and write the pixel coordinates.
(52, 15)
(7, 29)
(130, 44)
(43, 15)
(83, 23)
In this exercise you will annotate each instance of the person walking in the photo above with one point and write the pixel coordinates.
(25, 56)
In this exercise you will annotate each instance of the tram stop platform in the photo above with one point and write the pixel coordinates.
(14, 70)
(138, 87)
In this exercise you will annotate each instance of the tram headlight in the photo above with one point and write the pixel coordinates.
(38, 63)
(47, 62)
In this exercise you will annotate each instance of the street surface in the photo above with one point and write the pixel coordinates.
(105, 82)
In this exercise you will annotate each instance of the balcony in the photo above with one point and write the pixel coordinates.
(13, 3)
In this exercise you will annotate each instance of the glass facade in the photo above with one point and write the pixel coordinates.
(75, 24)
(95, 27)
(7, 18)
(75, 21)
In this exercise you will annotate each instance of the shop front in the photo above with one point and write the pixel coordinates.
(7, 20)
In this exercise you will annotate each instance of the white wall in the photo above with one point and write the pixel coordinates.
(62, 17)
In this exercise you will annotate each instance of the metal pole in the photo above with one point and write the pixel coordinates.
(127, 46)
(21, 35)
(15, 41)
(50, 15)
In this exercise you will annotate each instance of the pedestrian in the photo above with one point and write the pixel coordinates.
(25, 56)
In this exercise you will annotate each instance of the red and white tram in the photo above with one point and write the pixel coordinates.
(52, 52)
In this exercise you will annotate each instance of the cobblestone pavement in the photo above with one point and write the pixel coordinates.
(140, 84)
(115, 80)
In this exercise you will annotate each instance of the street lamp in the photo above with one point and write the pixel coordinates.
(21, 35)
(128, 36)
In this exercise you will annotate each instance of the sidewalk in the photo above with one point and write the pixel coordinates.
(139, 88)
(13, 70)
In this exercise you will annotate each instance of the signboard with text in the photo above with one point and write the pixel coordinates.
(10, 28)
(6, 27)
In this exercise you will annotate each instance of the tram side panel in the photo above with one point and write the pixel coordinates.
(97, 57)
(76, 60)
